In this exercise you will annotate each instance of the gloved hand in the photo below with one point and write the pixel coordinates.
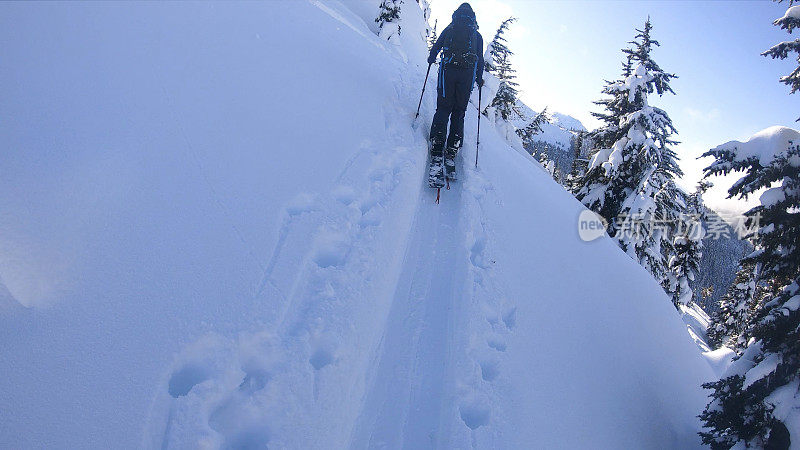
(431, 58)
(480, 82)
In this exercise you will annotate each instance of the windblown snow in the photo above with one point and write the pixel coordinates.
(216, 233)
(764, 145)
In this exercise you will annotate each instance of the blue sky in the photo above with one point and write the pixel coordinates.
(725, 90)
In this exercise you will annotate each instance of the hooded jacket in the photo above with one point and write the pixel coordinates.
(462, 12)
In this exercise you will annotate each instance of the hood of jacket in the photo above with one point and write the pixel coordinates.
(464, 11)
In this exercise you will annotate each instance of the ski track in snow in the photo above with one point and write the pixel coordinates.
(415, 345)
(438, 375)
(446, 282)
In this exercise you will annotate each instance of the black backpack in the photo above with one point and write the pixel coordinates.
(460, 49)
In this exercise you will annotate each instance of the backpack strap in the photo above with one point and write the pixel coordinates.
(449, 46)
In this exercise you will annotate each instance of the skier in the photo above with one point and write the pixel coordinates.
(460, 66)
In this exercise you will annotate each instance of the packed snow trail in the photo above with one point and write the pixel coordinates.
(413, 365)
(201, 249)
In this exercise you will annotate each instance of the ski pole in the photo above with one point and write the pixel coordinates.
(477, 144)
(423, 89)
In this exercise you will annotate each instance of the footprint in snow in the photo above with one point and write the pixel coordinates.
(496, 343)
(344, 195)
(366, 204)
(331, 249)
(198, 363)
(490, 368)
(476, 254)
(320, 358)
(510, 318)
(184, 379)
(475, 413)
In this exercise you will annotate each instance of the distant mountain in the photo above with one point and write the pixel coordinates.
(556, 137)
(721, 254)
(567, 122)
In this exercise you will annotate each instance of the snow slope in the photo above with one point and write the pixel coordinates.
(216, 234)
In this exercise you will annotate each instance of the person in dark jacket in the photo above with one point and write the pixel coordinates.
(460, 67)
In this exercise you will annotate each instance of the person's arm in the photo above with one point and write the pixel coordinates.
(437, 47)
(479, 68)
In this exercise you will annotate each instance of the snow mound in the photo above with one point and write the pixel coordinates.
(697, 322)
(720, 359)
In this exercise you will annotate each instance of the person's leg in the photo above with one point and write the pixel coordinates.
(461, 91)
(444, 106)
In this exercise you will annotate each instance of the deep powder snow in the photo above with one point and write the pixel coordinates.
(216, 233)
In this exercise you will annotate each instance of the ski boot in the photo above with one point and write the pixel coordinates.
(436, 172)
(450, 163)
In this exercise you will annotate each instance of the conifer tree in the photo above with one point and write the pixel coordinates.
(754, 403)
(549, 165)
(731, 323)
(744, 402)
(695, 204)
(533, 128)
(497, 47)
(499, 64)
(388, 19)
(688, 247)
(425, 5)
(788, 22)
(775, 223)
(630, 177)
(433, 36)
(578, 144)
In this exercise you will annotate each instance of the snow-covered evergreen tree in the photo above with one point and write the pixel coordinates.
(647, 222)
(755, 403)
(579, 145)
(548, 164)
(730, 324)
(788, 22)
(499, 64)
(684, 264)
(425, 6)
(533, 128)
(775, 223)
(630, 178)
(752, 402)
(497, 47)
(388, 19)
(434, 36)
